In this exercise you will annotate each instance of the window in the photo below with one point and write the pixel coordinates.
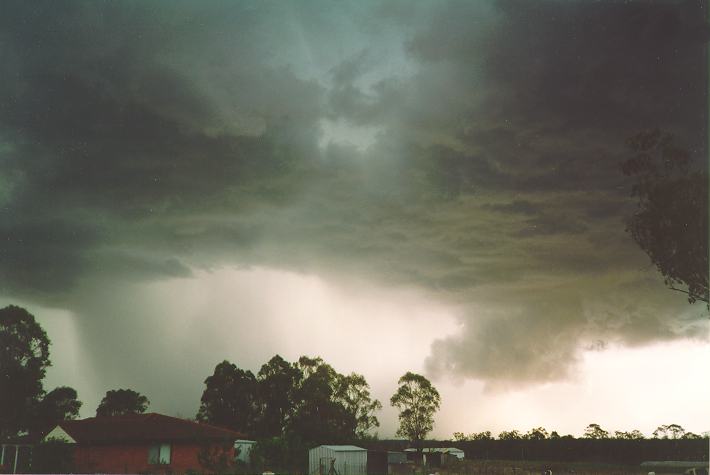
(159, 454)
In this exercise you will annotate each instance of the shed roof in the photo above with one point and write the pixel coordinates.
(344, 448)
(436, 449)
(143, 428)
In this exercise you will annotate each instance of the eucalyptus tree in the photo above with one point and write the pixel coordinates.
(417, 400)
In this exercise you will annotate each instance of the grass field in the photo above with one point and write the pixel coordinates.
(517, 467)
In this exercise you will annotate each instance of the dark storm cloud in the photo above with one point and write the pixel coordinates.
(143, 141)
(515, 207)
(97, 120)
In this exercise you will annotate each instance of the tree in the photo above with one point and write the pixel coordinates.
(633, 435)
(353, 393)
(24, 358)
(319, 416)
(277, 380)
(671, 220)
(230, 398)
(672, 431)
(594, 431)
(538, 433)
(119, 402)
(510, 435)
(417, 400)
(460, 437)
(60, 404)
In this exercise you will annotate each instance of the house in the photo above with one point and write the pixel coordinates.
(337, 460)
(15, 455)
(140, 443)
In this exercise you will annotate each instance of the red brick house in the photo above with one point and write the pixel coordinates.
(144, 443)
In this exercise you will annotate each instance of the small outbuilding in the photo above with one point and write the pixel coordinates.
(435, 456)
(337, 460)
(242, 450)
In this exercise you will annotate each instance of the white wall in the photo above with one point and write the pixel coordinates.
(349, 462)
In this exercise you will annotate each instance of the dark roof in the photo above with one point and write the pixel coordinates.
(149, 427)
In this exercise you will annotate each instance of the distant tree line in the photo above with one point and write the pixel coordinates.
(570, 449)
(669, 442)
(592, 431)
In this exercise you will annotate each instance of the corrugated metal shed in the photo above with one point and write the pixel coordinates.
(343, 459)
(244, 449)
(458, 453)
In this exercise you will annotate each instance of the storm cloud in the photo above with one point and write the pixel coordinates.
(468, 150)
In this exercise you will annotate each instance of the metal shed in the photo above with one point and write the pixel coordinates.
(337, 460)
(243, 449)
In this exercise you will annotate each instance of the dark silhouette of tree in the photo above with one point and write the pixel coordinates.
(278, 380)
(24, 358)
(319, 417)
(353, 392)
(230, 399)
(594, 431)
(307, 400)
(671, 221)
(60, 404)
(510, 435)
(461, 437)
(670, 431)
(119, 402)
(417, 400)
(486, 435)
(538, 433)
(633, 435)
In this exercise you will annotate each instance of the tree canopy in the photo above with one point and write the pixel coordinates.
(671, 221)
(417, 400)
(278, 380)
(307, 400)
(669, 431)
(594, 431)
(230, 398)
(119, 402)
(353, 392)
(60, 404)
(24, 358)
(537, 433)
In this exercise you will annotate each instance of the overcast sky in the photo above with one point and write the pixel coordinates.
(393, 186)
